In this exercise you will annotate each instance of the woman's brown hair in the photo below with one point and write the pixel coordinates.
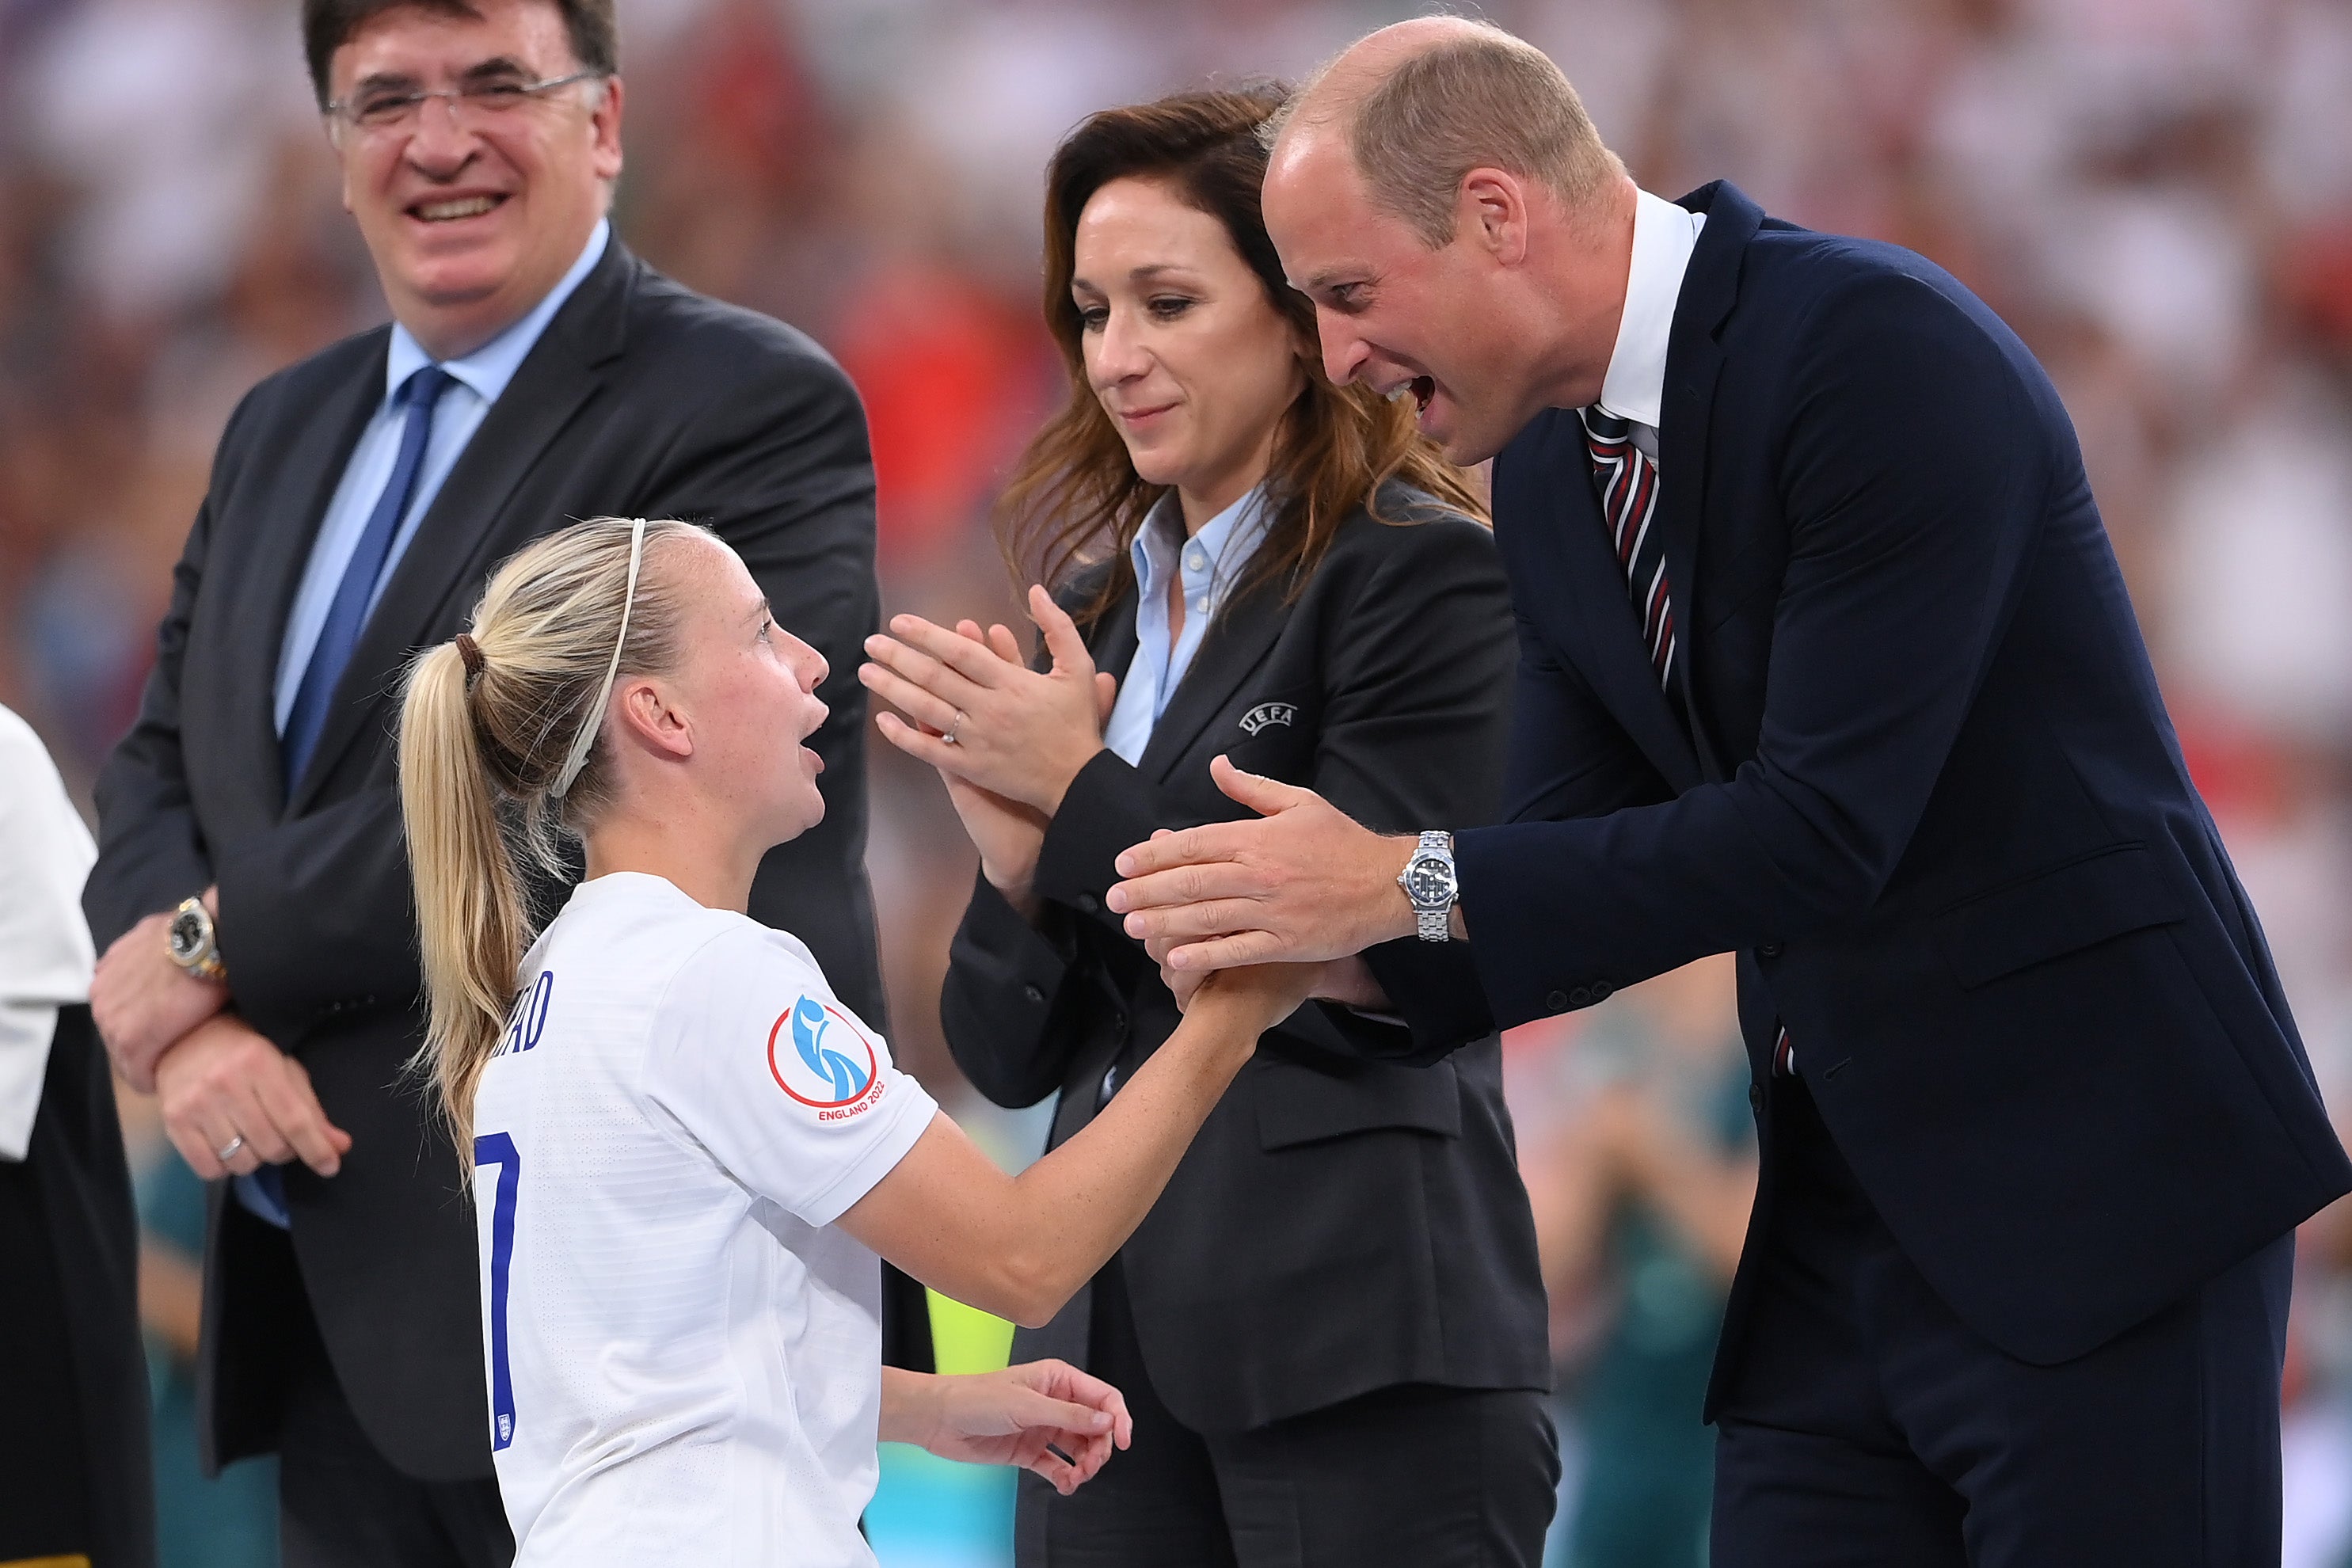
(1075, 497)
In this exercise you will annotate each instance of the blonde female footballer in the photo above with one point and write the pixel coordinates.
(686, 1153)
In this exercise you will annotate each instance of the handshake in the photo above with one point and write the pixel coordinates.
(1303, 883)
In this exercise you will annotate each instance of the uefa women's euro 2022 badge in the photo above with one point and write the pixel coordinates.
(832, 1067)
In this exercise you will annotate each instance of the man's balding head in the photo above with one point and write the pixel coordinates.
(1420, 104)
(1438, 192)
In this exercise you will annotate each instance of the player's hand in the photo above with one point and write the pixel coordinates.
(225, 1081)
(143, 1002)
(1019, 1415)
(1304, 884)
(1019, 734)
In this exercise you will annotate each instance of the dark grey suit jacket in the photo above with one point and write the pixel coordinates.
(641, 399)
(1339, 1225)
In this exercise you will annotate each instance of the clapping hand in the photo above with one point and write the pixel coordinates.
(1007, 739)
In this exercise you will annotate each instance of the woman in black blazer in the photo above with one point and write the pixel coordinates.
(1331, 1328)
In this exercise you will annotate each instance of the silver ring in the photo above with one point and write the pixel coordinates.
(227, 1151)
(951, 736)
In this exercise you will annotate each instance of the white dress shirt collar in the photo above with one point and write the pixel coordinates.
(1664, 238)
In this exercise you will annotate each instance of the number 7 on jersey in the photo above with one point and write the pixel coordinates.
(497, 1149)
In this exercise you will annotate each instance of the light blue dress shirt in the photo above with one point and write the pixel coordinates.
(480, 377)
(1211, 563)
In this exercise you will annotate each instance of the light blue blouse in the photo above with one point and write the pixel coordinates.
(1211, 563)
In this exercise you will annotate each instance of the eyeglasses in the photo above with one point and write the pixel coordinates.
(476, 101)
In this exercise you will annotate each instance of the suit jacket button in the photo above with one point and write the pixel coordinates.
(1034, 993)
(1769, 950)
(1601, 989)
(1088, 903)
(1579, 997)
(1557, 1001)
(1756, 1098)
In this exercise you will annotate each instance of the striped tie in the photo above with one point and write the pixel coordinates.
(1628, 481)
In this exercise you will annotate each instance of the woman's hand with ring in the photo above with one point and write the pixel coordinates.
(1020, 733)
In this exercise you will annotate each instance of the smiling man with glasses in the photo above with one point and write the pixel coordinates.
(252, 893)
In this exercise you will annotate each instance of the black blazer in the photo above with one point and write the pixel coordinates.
(1931, 795)
(640, 399)
(1339, 1225)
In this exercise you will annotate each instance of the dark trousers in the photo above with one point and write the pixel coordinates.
(1416, 1477)
(75, 1455)
(342, 1504)
(1868, 1426)
(44, 1460)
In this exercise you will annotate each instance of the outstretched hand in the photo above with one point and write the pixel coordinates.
(1020, 1415)
(1303, 884)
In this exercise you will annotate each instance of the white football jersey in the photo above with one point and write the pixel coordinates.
(684, 1355)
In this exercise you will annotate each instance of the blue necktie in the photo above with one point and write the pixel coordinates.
(348, 615)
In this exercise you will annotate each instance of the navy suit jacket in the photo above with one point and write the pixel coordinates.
(1929, 792)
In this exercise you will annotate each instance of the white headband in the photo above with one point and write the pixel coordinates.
(586, 741)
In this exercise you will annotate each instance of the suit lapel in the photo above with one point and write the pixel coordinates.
(1693, 361)
(1555, 493)
(1236, 642)
(453, 547)
(302, 490)
(1111, 640)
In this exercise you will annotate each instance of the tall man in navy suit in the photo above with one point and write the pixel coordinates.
(1825, 660)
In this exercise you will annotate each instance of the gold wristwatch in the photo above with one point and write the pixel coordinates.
(188, 942)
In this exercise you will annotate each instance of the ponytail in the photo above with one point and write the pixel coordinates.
(500, 753)
(470, 903)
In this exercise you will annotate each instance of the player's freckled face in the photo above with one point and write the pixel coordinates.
(750, 687)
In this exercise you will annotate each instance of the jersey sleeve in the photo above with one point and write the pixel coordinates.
(756, 1060)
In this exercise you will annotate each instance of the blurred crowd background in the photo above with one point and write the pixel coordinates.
(2156, 194)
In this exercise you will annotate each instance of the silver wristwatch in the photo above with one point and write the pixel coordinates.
(1428, 881)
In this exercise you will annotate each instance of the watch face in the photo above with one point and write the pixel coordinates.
(187, 937)
(1429, 882)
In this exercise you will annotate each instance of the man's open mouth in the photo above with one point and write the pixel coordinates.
(1421, 389)
(455, 208)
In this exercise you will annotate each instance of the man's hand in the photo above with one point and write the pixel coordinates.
(225, 1081)
(1017, 1416)
(143, 1002)
(1305, 885)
